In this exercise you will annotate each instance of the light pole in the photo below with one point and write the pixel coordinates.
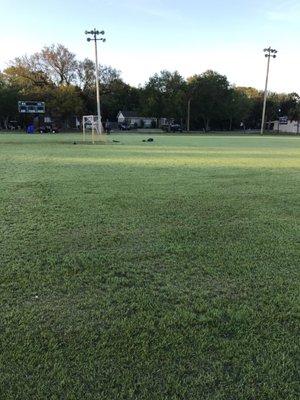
(95, 38)
(269, 52)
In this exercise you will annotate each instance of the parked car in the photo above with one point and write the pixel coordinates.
(13, 126)
(48, 129)
(172, 128)
(175, 128)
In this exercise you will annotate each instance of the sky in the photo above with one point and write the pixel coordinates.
(147, 36)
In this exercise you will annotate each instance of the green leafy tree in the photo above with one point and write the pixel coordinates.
(294, 110)
(26, 73)
(66, 102)
(210, 94)
(164, 96)
(119, 96)
(86, 75)
(237, 108)
(255, 99)
(8, 102)
(289, 103)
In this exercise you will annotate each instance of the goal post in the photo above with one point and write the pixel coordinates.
(90, 125)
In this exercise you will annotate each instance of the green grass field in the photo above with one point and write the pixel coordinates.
(165, 270)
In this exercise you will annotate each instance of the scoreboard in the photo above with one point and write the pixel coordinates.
(31, 107)
(283, 120)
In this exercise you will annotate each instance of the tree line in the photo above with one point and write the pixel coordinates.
(67, 86)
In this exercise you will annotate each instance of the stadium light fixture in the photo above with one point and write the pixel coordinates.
(269, 53)
(95, 37)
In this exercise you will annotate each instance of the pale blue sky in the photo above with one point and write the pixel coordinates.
(146, 36)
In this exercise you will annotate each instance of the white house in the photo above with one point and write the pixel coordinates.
(287, 127)
(133, 120)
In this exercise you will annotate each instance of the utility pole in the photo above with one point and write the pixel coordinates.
(95, 33)
(269, 52)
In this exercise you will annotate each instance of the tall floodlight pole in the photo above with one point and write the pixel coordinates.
(269, 53)
(94, 33)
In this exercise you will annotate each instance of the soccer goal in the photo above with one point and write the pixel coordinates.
(90, 125)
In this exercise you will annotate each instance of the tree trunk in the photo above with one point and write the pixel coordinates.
(6, 123)
(207, 128)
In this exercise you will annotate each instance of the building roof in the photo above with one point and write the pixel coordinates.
(133, 114)
(129, 114)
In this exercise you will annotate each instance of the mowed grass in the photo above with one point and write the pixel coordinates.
(165, 270)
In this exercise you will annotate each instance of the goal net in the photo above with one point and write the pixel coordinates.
(92, 127)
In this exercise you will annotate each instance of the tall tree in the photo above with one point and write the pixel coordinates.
(210, 95)
(294, 111)
(86, 74)
(26, 72)
(65, 103)
(255, 99)
(164, 95)
(237, 108)
(8, 102)
(108, 74)
(119, 96)
(288, 103)
(59, 63)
